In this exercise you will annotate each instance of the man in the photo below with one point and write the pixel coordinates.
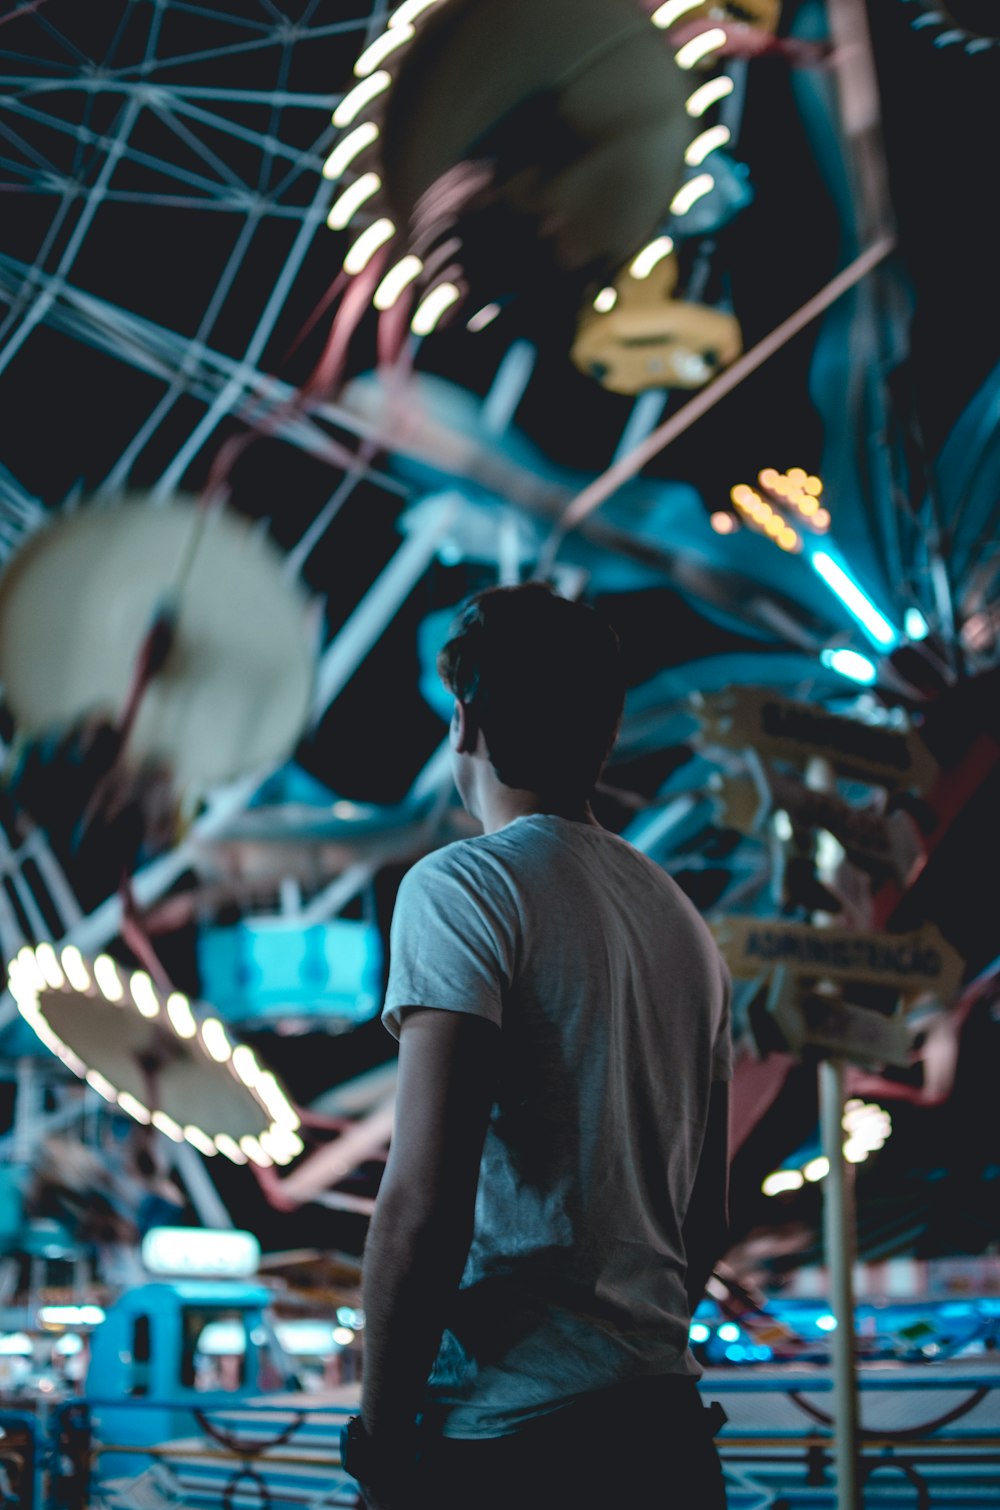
(554, 1197)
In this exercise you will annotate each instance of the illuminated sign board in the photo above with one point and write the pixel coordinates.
(200, 1252)
(908, 962)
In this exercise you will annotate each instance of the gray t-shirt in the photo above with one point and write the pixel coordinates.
(613, 1005)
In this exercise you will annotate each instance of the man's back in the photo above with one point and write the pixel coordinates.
(612, 1000)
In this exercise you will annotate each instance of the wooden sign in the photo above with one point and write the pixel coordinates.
(777, 728)
(827, 1023)
(907, 962)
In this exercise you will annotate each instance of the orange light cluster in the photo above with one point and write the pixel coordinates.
(799, 492)
(760, 516)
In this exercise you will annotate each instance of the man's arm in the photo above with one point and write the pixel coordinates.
(422, 1225)
(706, 1224)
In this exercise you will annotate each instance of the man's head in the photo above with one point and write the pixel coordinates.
(540, 678)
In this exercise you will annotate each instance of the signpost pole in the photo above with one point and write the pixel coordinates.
(839, 1242)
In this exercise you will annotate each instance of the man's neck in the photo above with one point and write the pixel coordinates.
(502, 804)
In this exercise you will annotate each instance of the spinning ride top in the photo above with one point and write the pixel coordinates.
(150, 1053)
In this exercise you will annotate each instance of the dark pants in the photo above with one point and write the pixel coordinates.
(644, 1446)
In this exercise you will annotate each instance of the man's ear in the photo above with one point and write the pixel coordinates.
(464, 733)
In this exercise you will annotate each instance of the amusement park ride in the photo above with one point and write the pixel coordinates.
(808, 611)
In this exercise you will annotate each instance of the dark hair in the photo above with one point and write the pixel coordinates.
(542, 677)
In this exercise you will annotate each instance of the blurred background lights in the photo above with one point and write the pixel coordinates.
(483, 317)
(915, 626)
(213, 1036)
(106, 976)
(843, 585)
(699, 1332)
(642, 265)
(729, 1332)
(360, 191)
(361, 95)
(688, 194)
(826, 1322)
(367, 244)
(180, 1014)
(707, 95)
(349, 148)
(409, 11)
(606, 300)
(432, 307)
(381, 48)
(708, 141)
(816, 1169)
(699, 47)
(134, 1107)
(782, 1180)
(850, 663)
(144, 994)
(669, 14)
(395, 280)
(76, 971)
(723, 523)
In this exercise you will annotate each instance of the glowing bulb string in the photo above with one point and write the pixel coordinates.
(602, 488)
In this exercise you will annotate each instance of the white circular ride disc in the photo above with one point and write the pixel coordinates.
(77, 601)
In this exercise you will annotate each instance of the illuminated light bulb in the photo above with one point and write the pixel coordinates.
(778, 485)
(642, 265)
(741, 494)
(395, 280)
(347, 150)
(134, 1107)
(853, 599)
(707, 95)
(483, 317)
(213, 1036)
(201, 1141)
(75, 970)
(821, 519)
(723, 523)
(168, 1126)
(49, 966)
(826, 1323)
(606, 300)
(699, 1332)
(282, 1112)
(813, 485)
(688, 194)
(106, 976)
(796, 476)
(708, 141)
(29, 970)
(788, 539)
(915, 626)
(229, 1146)
(367, 244)
(851, 664)
(144, 994)
(699, 47)
(808, 506)
(275, 1149)
(855, 1151)
(101, 1085)
(729, 1332)
(342, 210)
(816, 1169)
(671, 12)
(245, 1064)
(774, 525)
(409, 11)
(782, 1180)
(181, 1016)
(251, 1147)
(381, 48)
(342, 1336)
(432, 306)
(361, 95)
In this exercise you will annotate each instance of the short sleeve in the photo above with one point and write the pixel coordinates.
(451, 941)
(722, 1045)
